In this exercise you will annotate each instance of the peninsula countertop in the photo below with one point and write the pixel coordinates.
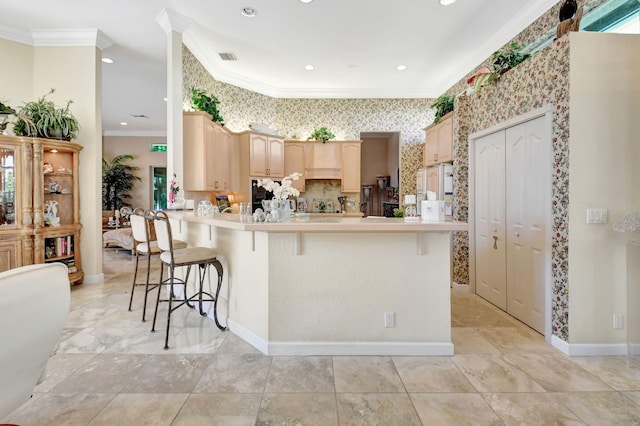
(337, 223)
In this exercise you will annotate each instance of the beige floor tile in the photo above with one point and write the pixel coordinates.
(431, 374)
(309, 409)
(557, 373)
(473, 311)
(619, 372)
(467, 340)
(632, 396)
(235, 373)
(234, 345)
(92, 340)
(376, 409)
(105, 373)
(366, 374)
(458, 409)
(300, 374)
(168, 373)
(74, 408)
(140, 410)
(495, 373)
(219, 409)
(515, 339)
(600, 408)
(197, 340)
(59, 367)
(517, 409)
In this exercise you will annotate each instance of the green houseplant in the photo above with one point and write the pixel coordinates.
(443, 105)
(206, 102)
(118, 179)
(322, 134)
(508, 57)
(43, 119)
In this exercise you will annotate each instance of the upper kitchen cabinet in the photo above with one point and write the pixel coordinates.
(351, 166)
(438, 146)
(294, 159)
(207, 153)
(265, 154)
(323, 160)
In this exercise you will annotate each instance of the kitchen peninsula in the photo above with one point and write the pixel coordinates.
(332, 285)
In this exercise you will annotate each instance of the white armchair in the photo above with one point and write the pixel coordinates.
(34, 302)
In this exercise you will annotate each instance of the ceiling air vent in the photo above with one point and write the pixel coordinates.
(228, 56)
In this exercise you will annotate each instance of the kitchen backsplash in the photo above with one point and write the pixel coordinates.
(328, 189)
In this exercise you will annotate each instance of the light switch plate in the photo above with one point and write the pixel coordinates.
(598, 216)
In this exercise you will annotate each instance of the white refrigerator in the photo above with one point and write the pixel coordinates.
(438, 179)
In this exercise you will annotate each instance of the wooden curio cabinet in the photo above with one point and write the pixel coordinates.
(16, 236)
(56, 205)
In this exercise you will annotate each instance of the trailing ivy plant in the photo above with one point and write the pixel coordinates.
(322, 134)
(206, 102)
(508, 57)
(443, 105)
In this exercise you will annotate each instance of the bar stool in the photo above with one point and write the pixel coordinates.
(175, 257)
(145, 244)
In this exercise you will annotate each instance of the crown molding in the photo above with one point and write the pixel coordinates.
(173, 21)
(136, 133)
(61, 37)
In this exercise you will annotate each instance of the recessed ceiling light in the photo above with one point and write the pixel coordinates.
(401, 67)
(165, 99)
(306, 1)
(249, 12)
(122, 123)
(447, 2)
(107, 60)
(308, 67)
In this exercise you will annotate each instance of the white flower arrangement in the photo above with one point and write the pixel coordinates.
(282, 190)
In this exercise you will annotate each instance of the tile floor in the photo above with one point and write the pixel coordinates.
(110, 370)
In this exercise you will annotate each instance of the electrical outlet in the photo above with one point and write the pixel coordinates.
(389, 319)
(598, 216)
(618, 321)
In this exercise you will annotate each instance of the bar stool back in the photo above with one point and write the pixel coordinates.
(179, 257)
(145, 245)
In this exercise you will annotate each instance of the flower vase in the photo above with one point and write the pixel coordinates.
(287, 210)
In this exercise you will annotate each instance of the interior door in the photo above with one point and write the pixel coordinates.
(527, 185)
(490, 219)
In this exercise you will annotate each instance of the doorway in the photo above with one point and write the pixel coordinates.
(158, 187)
(380, 172)
(510, 217)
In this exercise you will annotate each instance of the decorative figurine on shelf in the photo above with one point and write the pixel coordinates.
(51, 215)
(47, 168)
(54, 187)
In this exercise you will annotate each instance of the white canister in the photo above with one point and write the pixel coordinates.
(432, 210)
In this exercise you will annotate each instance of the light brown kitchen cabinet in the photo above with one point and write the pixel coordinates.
(433, 181)
(438, 146)
(206, 153)
(294, 158)
(266, 155)
(350, 166)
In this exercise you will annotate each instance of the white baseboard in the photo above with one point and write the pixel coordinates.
(459, 287)
(340, 348)
(589, 349)
(360, 348)
(634, 348)
(93, 279)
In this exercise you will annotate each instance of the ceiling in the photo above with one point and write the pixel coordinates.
(355, 46)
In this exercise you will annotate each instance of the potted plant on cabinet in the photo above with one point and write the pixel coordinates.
(322, 134)
(443, 105)
(43, 119)
(118, 179)
(206, 102)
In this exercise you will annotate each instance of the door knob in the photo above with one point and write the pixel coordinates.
(495, 242)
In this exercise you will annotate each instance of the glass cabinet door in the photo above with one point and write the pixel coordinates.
(7, 187)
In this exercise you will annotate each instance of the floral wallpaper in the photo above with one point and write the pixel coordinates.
(541, 80)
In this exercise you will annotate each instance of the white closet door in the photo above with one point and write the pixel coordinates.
(527, 174)
(490, 219)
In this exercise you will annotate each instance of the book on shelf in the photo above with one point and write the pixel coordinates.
(58, 247)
